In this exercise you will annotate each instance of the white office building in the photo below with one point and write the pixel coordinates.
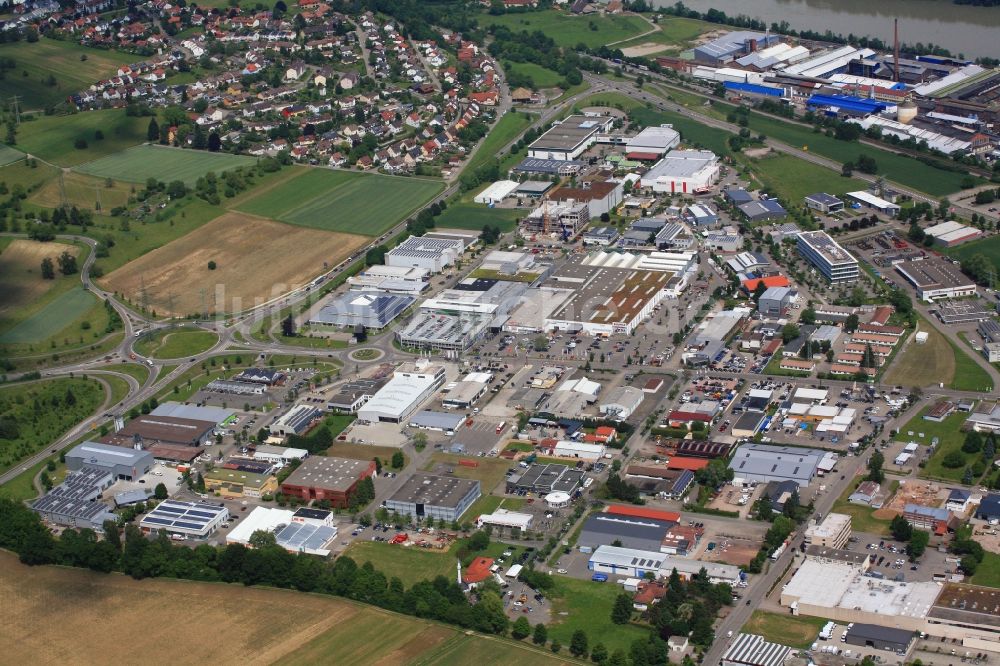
(834, 262)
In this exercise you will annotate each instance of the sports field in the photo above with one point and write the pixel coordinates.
(247, 252)
(176, 343)
(165, 164)
(569, 30)
(51, 319)
(183, 622)
(52, 138)
(54, 70)
(358, 203)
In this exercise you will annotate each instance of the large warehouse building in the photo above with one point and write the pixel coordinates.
(765, 462)
(834, 262)
(430, 253)
(372, 309)
(411, 385)
(602, 529)
(936, 279)
(189, 519)
(570, 138)
(652, 142)
(683, 171)
(441, 497)
(166, 430)
(122, 463)
(328, 478)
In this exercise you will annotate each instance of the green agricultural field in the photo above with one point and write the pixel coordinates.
(988, 573)
(175, 343)
(793, 179)
(950, 438)
(410, 564)
(140, 163)
(52, 138)
(9, 155)
(343, 201)
(51, 319)
(541, 77)
(508, 129)
(674, 34)
(46, 72)
(969, 375)
(797, 632)
(474, 217)
(569, 30)
(902, 169)
(988, 247)
(64, 402)
(585, 604)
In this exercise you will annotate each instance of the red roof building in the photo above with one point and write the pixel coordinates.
(693, 464)
(771, 281)
(643, 157)
(478, 570)
(680, 417)
(642, 512)
(881, 316)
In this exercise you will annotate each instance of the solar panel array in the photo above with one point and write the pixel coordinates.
(174, 515)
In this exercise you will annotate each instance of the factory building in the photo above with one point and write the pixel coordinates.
(76, 501)
(652, 143)
(429, 495)
(195, 520)
(122, 463)
(764, 463)
(570, 138)
(296, 421)
(683, 172)
(411, 385)
(602, 529)
(328, 478)
(431, 254)
(935, 279)
(373, 310)
(753, 650)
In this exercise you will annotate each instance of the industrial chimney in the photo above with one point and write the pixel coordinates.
(895, 49)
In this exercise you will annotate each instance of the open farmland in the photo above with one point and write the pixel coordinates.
(244, 249)
(137, 164)
(20, 266)
(9, 155)
(225, 623)
(82, 191)
(52, 138)
(343, 201)
(922, 365)
(54, 70)
(793, 179)
(54, 316)
(569, 30)
(473, 217)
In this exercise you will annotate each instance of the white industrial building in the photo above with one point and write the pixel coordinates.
(433, 254)
(411, 385)
(308, 531)
(188, 519)
(753, 650)
(496, 192)
(869, 200)
(631, 562)
(935, 140)
(579, 450)
(654, 140)
(724, 74)
(620, 403)
(683, 171)
(508, 263)
(278, 454)
(504, 518)
(570, 138)
(295, 421)
(392, 279)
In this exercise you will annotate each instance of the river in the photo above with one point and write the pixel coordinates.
(963, 29)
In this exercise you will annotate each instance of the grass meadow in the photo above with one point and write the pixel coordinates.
(136, 165)
(343, 201)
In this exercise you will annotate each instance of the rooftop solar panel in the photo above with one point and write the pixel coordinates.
(193, 526)
(158, 521)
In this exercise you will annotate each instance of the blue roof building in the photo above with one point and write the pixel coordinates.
(847, 104)
(754, 89)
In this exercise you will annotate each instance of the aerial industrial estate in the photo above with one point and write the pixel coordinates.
(617, 333)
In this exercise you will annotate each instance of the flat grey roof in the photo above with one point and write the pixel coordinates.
(875, 632)
(933, 273)
(609, 525)
(328, 473)
(371, 309)
(94, 453)
(434, 490)
(194, 412)
(430, 419)
(569, 134)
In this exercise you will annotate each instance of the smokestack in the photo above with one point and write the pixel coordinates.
(895, 49)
